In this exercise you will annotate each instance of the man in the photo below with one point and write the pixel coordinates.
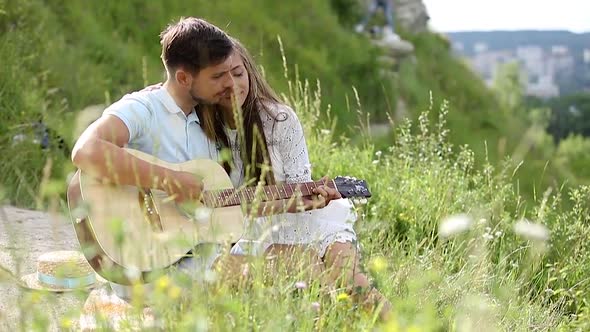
(162, 122)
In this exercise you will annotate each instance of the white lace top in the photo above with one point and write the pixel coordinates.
(286, 144)
(290, 164)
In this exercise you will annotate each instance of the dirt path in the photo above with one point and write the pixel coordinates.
(24, 235)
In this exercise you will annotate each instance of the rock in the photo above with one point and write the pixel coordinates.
(412, 15)
(397, 48)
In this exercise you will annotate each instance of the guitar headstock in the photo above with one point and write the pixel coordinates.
(350, 187)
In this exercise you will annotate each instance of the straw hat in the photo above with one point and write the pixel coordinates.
(62, 271)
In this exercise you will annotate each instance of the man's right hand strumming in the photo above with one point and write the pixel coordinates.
(182, 186)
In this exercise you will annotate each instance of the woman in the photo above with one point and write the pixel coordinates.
(267, 144)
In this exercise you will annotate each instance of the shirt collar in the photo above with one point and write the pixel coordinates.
(171, 106)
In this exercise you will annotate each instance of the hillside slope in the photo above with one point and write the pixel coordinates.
(59, 57)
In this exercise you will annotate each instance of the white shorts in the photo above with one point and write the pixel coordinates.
(318, 229)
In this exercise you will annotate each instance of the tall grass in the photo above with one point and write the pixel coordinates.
(484, 272)
(489, 275)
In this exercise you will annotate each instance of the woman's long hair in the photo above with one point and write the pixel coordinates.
(251, 137)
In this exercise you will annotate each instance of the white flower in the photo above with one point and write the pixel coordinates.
(481, 221)
(210, 276)
(300, 285)
(454, 225)
(531, 231)
(498, 234)
(375, 162)
(488, 237)
(378, 154)
(325, 132)
(132, 273)
(203, 213)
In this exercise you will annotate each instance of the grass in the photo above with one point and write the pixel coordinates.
(59, 57)
(489, 275)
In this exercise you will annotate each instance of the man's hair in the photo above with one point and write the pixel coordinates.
(193, 44)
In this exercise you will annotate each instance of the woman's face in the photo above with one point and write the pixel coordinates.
(241, 83)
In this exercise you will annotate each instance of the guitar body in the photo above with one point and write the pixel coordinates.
(145, 230)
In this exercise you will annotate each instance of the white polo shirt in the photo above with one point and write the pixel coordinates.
(159, 127)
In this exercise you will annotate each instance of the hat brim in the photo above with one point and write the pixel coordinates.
(30, 281)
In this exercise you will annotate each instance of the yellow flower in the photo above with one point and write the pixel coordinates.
(378, 264)
(163, 282)
(35, 297)
(174, 292)
(392, 326)
(66, 323)
(342, 297)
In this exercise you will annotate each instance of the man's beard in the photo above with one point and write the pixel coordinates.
(199, 100)
(203, 101)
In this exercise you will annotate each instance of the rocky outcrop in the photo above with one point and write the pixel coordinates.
(411, 15)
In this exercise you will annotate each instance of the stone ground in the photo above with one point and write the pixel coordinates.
(24, 236)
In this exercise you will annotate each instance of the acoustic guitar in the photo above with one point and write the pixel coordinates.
(143, 229)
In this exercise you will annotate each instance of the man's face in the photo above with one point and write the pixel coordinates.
(214, 82)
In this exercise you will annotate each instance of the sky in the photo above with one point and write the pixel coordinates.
(468, 15)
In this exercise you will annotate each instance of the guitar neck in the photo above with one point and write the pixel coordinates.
(233, 197)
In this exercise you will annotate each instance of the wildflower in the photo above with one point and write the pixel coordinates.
(245, 270)
(202, 213)
(315, 306)
(325, 132)
(531, 231)
(35, 297)
(66, 323)
(210, 276)
(375, 162)
(488, 237)
(378, 154)
(132, 273)
(342, 297)
(454, 225)
(137, 290)
(498, 234)
(378, 264)
(163, 282)
(300, 285)
(174, 292)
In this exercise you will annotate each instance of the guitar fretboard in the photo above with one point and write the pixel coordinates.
(232, 197)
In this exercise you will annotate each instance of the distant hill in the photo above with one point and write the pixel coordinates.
(498, 40)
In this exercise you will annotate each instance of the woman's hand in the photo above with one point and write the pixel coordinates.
(322, 196)
(152, 87)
